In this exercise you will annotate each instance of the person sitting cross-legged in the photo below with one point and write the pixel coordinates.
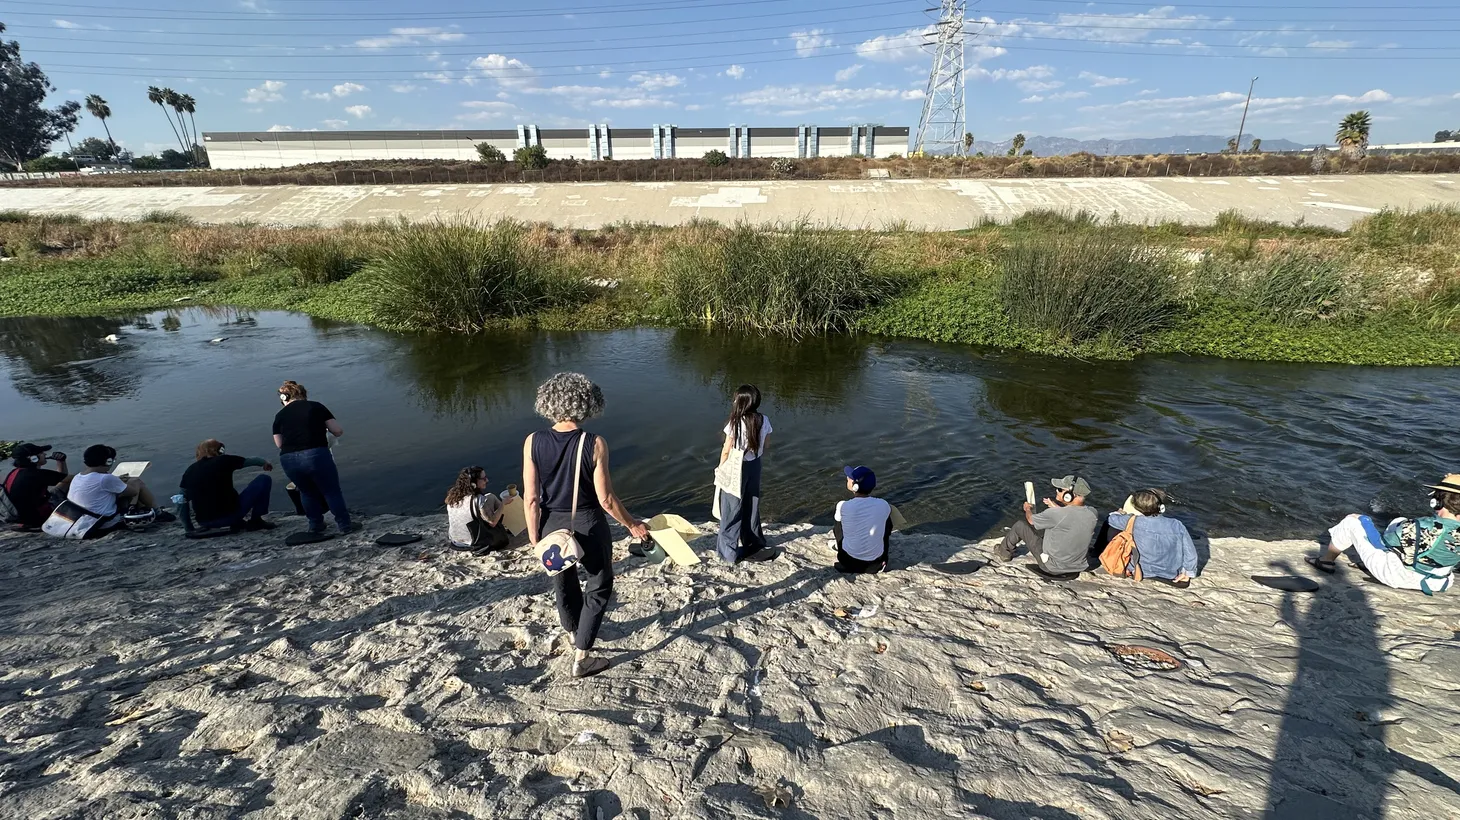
(207, 484)
(863, 525)
(1163, 547)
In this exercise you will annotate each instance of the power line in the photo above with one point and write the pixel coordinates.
(237, 17)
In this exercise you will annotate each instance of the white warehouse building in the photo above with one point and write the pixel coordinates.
(279, 149)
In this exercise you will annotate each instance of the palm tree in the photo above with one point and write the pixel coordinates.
(189, 106)
(99, 109)
(1353, 134)
(967, 142)
(1232, 146)
(1256, 146)
(174, 101)
(1016, 146)
(160, 96)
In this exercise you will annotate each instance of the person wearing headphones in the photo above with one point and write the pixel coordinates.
(1419, 553)
(863, 526)
(29, 485)
(1164, 549)
(207, 484)
(1059, 538)
(301, 432)
(107, 496)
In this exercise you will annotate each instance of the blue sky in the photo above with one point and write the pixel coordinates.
(1050, 67)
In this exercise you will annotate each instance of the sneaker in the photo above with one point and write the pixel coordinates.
(1003, 554)
(763, 554)
(258, 524)
(588, 667)
(164, 517)
(355, 526)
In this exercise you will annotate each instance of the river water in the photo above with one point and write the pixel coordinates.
(1270, 450)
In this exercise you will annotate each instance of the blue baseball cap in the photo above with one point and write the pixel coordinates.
(863, 477)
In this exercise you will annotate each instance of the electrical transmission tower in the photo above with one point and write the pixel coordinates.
(941, 129)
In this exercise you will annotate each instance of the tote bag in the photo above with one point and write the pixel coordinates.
(70, 520)
(559, 550)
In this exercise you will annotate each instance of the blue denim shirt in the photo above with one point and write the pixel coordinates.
(1163, 544)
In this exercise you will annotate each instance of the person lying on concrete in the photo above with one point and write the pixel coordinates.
(30, 484)
(863, 525)
(207, 485)
(473, 515)
(1059, 538)
(1419, 553)
(107, 496)
(1163, 547)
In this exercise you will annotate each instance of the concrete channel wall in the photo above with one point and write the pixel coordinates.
(238, 150)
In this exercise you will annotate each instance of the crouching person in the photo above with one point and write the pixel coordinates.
(1418, 553)
(1159, 547)
(863, 525)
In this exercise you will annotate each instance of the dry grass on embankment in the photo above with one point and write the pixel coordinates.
(1386, 292)
(430, 172)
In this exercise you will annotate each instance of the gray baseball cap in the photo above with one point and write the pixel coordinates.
(1074, 484)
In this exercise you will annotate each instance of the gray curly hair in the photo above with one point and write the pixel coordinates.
(568, 397)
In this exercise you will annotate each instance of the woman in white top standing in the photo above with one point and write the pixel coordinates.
(745, 437)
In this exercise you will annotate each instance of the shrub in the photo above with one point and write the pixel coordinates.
(1294, 287)
(1090, 287)
(49, 165)
(783, 166)
(14, 216)
(161, 217)
(794, 280)
(716, 158)
(531, 158)
(1394, 229)
(317, 261)
(1051, 221)
(490, 153)
(464, 278)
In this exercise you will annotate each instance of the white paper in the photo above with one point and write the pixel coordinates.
(130, 469)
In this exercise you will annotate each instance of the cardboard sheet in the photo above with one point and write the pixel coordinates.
(514, 514)
(673, 533)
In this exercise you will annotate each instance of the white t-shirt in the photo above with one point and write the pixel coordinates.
(96, 492)
(460, 514)
(864, 526)
(740, 440)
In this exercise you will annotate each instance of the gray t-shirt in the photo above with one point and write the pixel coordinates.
(1068, 533)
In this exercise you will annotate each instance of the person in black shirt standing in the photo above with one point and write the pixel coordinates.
(29, 485)
(208, 487)
(301, 433)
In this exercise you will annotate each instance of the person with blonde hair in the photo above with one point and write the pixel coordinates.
(207, 485)
(301, 432)
(550, 463)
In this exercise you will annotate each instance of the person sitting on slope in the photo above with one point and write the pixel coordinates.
(863, 525)
(1419, 553)
(1163, 547)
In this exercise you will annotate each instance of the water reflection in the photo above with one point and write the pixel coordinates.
(68, 360)
(809, 373)
(1066, 400)
(465, 376)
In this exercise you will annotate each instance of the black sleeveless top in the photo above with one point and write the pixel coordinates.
(552, 454)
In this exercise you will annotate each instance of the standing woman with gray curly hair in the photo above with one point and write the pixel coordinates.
(566, 400)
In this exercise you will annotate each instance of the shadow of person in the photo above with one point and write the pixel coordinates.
(1325, 763)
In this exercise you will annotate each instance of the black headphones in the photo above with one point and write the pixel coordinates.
(1161, 510)
(1434, 499)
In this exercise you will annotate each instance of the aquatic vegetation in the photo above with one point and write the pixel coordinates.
(318, 261)
(793, 280)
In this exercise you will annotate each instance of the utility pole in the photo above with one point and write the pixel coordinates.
(942, 125)
(1243, 126)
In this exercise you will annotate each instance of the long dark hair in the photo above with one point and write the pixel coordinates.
(465, 486)
(746, 408)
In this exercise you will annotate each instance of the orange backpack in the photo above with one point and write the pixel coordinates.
(1120, 554)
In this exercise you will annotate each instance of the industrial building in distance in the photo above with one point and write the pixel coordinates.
(280, 149)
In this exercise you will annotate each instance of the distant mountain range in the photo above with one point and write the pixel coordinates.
(1197, 144)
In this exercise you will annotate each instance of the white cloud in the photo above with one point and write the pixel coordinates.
(1101, 81)
(632, 102)
(268, 92)
(820, 98)
(411, 37)
(1332, 45)
(848, 72)
(891, 48)
(507, 71)
(346, 89)
(810, 42)
(489, 105)
(67, 24)
(404, 88)
(1060, 97)
(1014, 75)
(735, 72)
(654, 82)
(437, 77)
(1148, 92)
(335, 124)
(277, 128)
(1039, 85)
(359, 112)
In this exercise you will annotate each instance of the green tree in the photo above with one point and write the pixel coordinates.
(1016, 146)
(531, 158)
(27, 128)
(1353, 134)
(160, 96)
(103, 150)
(98, 108)
(490, 153)
(187, 105)
(50, 164)
(715, 158)
(1442, 136)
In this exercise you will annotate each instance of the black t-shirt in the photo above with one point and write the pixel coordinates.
(27, 488)
(208, 485)
(301, 424)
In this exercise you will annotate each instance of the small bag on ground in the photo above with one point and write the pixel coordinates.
(70, 520)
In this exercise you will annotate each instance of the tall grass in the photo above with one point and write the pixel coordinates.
(318, 261)
(1090, 287)
(1392, 228)
(162, 217)
(1294, 287)
(793, 281)
(464, 278)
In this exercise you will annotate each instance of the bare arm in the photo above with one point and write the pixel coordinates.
(529, 489)
(606, 497)
(334, 427)
(278, 441)
(729, 445)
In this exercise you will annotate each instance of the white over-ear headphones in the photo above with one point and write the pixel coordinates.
(35, 459)
(1434, 500)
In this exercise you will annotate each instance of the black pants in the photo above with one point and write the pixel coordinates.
(846, 563)
(581, 605)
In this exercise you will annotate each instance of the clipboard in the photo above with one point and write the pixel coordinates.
(130, 469)
(514, 514)
(672, 533)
